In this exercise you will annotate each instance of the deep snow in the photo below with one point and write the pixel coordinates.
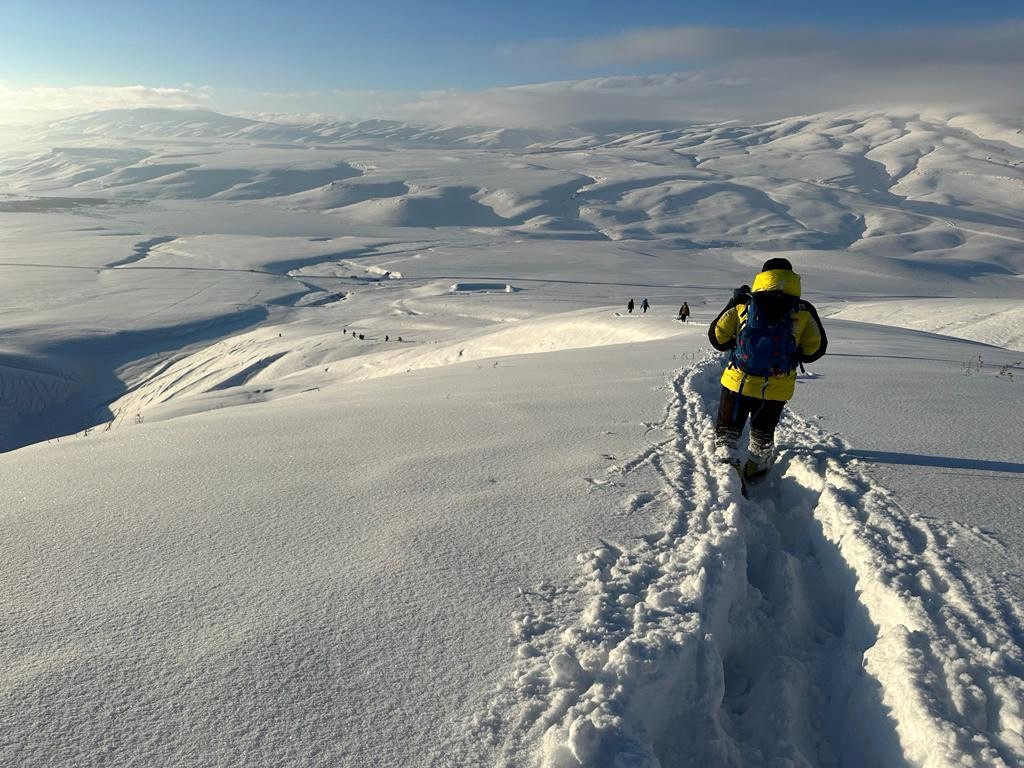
(363, 462)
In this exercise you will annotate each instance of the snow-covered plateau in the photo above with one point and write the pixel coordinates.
(335, 445)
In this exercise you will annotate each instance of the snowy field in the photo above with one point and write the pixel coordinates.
(334, 445)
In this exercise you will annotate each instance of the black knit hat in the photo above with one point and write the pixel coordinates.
(777, 263)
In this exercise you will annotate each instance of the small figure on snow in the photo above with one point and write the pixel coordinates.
(645, 305)
(770, 331)
(684, 312)
(629, 307)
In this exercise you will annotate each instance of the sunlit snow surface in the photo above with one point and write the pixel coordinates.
(335, 445)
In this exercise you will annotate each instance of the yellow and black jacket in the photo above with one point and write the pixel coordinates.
(807, 331)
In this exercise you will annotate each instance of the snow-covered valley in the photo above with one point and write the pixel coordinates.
(334, 444)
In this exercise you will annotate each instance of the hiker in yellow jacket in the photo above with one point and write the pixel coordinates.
(769, 331)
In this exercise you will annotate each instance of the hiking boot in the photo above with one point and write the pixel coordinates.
(726, 445)
(726, 453)
(760, 459)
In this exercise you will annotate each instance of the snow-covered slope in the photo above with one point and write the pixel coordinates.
(333, 575)
(363, 461)
(994, 321)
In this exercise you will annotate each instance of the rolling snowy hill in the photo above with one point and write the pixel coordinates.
(334, 444)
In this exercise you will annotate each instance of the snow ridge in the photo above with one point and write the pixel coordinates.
(813, 624)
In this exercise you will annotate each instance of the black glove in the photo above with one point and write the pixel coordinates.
(739, 296)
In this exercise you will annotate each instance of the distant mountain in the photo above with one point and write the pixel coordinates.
(882, 183)
(137, 123)
(205, 124)
(822, 131)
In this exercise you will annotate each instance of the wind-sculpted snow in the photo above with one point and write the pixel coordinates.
(813, 624)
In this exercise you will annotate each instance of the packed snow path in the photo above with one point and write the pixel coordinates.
(815, 624)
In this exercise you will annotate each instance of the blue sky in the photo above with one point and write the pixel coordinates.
(235, 51)
(390, 44)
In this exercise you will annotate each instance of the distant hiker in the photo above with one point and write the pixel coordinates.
(387, 338)
(684, 312)
(770, 331)
(629, 307)
(645, 306)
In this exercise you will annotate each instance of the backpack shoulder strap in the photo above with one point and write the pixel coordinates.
(809, 308)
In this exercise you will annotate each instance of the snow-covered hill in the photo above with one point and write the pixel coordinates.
(928, 198)
(204, 124)
(363, 462)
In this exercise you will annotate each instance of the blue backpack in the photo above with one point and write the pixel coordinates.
(765, 345)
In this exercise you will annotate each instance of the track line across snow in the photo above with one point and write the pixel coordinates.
(814, 624)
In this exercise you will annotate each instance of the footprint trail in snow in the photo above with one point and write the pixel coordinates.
(813, 624)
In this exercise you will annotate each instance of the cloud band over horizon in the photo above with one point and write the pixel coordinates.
(722, 73)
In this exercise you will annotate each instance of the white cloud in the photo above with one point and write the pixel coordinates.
(801, 82)
(755, 74)
(732, 73)
(37, 103)
(680, 97)
(1000, 45)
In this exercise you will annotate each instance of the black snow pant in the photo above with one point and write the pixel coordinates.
(733, 410)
